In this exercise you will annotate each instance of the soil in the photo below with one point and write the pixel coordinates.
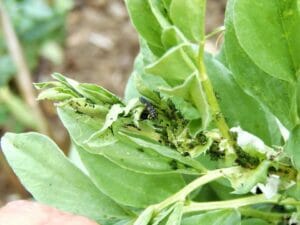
(100, 48)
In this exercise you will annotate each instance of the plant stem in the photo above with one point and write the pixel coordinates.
(268, 216)
(183, 193)
(236, 203)
(207, 86)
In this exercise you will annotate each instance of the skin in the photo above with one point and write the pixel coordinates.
(32, 213)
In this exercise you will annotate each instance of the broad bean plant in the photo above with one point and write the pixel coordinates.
(197, 139)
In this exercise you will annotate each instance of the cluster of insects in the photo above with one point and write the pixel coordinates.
(173, 131)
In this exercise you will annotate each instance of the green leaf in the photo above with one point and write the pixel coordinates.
(112, 116)
(191, 90)
(274, 47)
(187, 16)
(127, 187)
(162, 215)
(56, 94)
(239, 108)
(174, 66)
(224, 217)
(176, 216)
(100, 140)
(158, 9)
(146, 53)
(92, 92)
(246, 179)
(145, 21)
(145, 217)
(82, 106)
(187, 110)
(130, 89)
(277, 95)
(165, 151)
(292, 147)
(53, 179)
(139, 159)
(148, 86)
(172, 36)
(294, 191)
(132, 157)
(254, 221)
(79, 126)
(97, 94)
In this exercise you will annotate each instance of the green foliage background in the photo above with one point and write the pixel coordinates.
(160, 159)
(40, 27)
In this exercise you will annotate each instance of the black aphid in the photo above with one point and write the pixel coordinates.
(152, 113)
(173, 164)
(185, 154)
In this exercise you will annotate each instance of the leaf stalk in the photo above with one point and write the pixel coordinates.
(206, 83)
(234, 204)
(183, 193)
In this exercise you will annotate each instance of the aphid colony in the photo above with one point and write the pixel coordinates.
(154, 118)
(172, 129)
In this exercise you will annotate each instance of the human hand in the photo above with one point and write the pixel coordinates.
(32, 213)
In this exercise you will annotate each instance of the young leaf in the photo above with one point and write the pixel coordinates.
(56, 94)
(147, 85)
(97, 94)
(174, 66)
(53, 179)
(112, 116)
(224, 217)
(191, 90)
(127, 187)
(277, 95)
(172, 36)
(187, 16)
(274, 48)
(92, 92)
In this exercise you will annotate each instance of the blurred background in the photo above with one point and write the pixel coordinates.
(88, 40)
